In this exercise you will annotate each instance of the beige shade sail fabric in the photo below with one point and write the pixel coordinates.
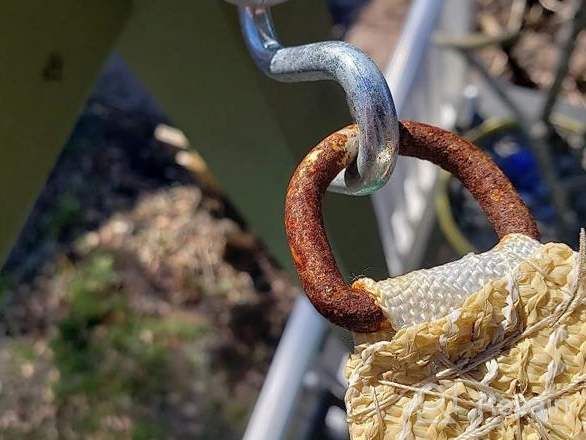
(491, 346)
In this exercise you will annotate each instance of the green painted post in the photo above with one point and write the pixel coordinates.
(50, 54)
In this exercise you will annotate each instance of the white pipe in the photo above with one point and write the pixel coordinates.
(403, 67)
(276, 401)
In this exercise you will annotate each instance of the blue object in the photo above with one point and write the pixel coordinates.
(520, 165)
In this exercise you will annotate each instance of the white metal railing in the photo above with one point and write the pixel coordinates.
(299, 343)
(427, 85)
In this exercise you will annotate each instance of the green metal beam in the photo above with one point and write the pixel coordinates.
(50, 54)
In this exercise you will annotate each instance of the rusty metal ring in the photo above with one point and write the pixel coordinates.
(354, 308)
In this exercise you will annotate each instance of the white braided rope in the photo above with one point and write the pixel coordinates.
(429, 294)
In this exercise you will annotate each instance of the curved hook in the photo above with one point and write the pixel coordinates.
(367, 93)
(351, 307)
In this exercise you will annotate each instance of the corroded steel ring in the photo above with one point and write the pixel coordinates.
(354, 308)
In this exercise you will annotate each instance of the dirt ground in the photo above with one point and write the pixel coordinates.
(136, 304)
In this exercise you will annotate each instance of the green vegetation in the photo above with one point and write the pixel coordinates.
(113, 360)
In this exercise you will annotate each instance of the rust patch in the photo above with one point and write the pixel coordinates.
(353, 307)
(321, 280)
(480, 175)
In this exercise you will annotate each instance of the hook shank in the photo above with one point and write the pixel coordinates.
(367, 93)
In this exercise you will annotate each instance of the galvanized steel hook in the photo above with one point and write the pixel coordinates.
(367, 93)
